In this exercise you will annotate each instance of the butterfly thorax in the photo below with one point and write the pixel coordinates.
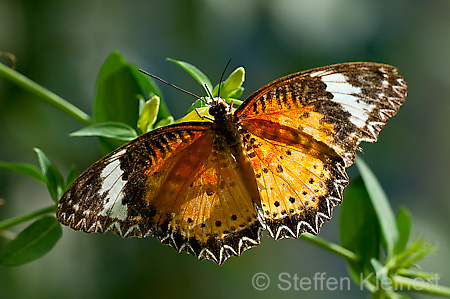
(225, 125)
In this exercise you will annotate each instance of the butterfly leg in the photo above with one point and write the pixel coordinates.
(203, 117)
(231, 105)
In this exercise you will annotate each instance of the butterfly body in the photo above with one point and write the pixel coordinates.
(277, 163)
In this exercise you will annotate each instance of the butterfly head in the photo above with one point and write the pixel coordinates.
(219, 108)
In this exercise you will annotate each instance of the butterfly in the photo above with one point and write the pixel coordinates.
(277, 164)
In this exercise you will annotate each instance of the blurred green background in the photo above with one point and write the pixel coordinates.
(62, 44)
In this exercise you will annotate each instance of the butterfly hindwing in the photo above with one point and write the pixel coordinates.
(299, 182)
(214, 215)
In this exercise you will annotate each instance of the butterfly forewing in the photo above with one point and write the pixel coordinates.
(340, 105)
(109, 195)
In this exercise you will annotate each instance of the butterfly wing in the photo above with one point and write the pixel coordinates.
(174, 183)
(302, 130)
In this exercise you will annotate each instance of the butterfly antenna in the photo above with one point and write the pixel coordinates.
(208, 91)
(172, 85)
(221, 77)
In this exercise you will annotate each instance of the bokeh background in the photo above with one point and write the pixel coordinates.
(62, 45)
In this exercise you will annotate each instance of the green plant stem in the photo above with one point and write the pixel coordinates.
(17, 220)
(414, 273)
(422, 286)
(45, 95)
(332, 247)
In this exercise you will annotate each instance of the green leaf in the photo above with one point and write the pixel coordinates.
(231, 85)
(200, 114)
(116, 90)
(418, 250)
(118, 84)
(116, 130)
(150, 89)
(359, 230)
(148, 116)
(382, 207)
(142, 102)
(235, 101)
(404, 229)
(381, 275)
(195, 73)
(24, 169)
(32, 243)
(235, 94)
(55, 182)
(197, 104)
(165, 122)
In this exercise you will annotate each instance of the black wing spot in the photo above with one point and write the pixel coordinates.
(279, 168)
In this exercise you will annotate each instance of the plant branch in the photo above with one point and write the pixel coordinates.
(45, 94)
(332, 247)
(17, 220)
(422, 286)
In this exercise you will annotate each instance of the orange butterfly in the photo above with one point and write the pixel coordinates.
(277, 163)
